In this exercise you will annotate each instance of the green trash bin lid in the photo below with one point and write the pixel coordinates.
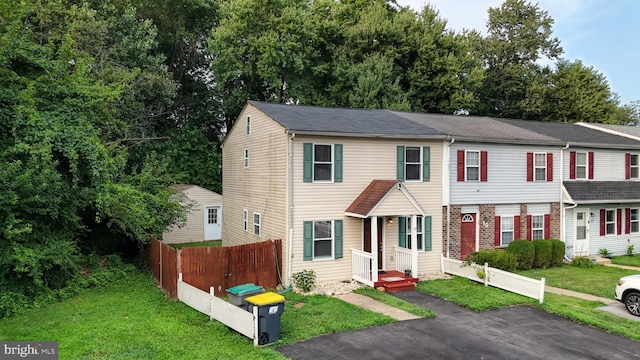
(245, 289)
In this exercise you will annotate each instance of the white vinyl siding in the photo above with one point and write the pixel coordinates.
(608, 164)
(540, 166)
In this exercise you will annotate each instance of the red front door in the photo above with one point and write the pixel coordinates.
(367, 238)
(468, 235)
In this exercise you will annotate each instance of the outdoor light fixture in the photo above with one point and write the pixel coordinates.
(389, 221)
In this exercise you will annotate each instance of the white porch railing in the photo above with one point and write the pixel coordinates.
(497, 278)
(361, 267)
(403, 258)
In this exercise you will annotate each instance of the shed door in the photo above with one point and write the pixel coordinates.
(468, 235)
(212, 228)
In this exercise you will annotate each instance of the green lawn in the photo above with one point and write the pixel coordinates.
(477, 297)
(627, 260)
(133, 319)
(600, 280)
(211, 243)
(395, 302)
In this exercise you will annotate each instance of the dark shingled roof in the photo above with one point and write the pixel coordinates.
(371, 196)
(572, 133)
(314, 119)
(603, 191)
(629, 130)
(478, 128)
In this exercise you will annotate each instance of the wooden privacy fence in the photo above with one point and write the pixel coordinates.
(164, 266)
(219, 267)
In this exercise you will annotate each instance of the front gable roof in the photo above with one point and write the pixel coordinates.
(375, 194)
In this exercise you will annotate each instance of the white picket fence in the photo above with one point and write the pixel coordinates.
(497, 278)
(361, 267)
(403, 258)
(240, 320)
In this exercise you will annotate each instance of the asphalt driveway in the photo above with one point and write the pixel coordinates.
(519, 332)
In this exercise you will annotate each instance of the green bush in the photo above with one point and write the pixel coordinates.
(544, 249)
(557, 252)
(496, 258)
(305, 280)
(582, 262)
(525, 252)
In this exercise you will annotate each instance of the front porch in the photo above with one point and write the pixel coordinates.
(391, 280)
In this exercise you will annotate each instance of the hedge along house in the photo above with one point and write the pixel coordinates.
(204, 221)
(353, 193)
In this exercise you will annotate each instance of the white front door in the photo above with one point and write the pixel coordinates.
(212, 228)
(581, 246)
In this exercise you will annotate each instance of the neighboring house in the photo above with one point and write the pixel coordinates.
(601, 186)
(334, 184)
(204, 221)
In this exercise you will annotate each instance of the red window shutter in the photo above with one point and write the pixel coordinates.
(602, 223)
(483, 166)
(497, 232)
(516, 228)
(460, 165)
(627, 221)
(529, 166)
(529, 231)
(627, 166)
(549, 167)
(572, 165)
(547, 226)
(590, 164)
(619, 222)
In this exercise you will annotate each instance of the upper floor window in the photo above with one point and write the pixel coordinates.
(581, 165)
(245, 220)
(246, 158)
(248, 125)
(256, 224)
(472, 165)
(322, 162)
(413, 163)
(631, 168)
(634, 221)
(540, 167)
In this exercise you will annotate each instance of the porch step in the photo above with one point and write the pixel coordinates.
(399, 286)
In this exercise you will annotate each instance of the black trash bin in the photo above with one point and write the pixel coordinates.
(270, 306)
(238, 294)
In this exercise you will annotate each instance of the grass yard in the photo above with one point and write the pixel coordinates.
(627, 260)
(600, 280)
(133, 319)
(210, 243)
(477, 297)
(395, 302)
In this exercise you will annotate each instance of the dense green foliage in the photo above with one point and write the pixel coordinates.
(557, 252)
(496, 258)
(542, 258)
(582, 262)
(525, 251)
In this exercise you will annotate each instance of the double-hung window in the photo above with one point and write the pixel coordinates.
(413, 163)
(322, 162)
(256, 224)
(419, 233)
(322, 240)
(537, 227)
(506, 230)
(633, 166)
(245, 220)
(472, 165)
(634, 220)
(246, 158)
(610, 222)
(581, 165)
(540, 166)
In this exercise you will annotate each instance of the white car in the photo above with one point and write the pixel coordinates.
(628, 292)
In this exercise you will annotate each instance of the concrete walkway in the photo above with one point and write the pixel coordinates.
(555, 290)
(624, 267)
(374, 305)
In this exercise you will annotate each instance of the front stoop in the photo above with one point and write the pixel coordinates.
(399, 286)
(601, 260)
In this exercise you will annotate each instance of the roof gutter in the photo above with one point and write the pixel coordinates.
(366, 135)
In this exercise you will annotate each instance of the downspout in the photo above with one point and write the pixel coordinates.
(562, 208)
(449, 195)
(290, 240)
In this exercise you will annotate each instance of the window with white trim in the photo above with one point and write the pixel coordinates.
(246, 158)
(633, 166)
(245, 219)
(419, 232)
(412, 163)
(610, 222)
(322, 162)
(256, 224)
(634, 220)
(248, 125)
(540, 166)
(506, 230)
(472, 165)
(581, 165)
(537, 227)
(323, 240)
(212, 215)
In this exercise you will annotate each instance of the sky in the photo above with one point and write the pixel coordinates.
(604, 34)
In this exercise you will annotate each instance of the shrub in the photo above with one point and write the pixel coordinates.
(582, 262)
(498, 259)
(305, 280)
(525, 252)
(557, 252)
(543, 254)
(605, 253)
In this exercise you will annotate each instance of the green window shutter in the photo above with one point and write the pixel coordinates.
(308, 241)
(337, 165)
(402, 232)
(308, 162)
(400, 164)
(426, 158)
(427, 233)
(337, 238)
